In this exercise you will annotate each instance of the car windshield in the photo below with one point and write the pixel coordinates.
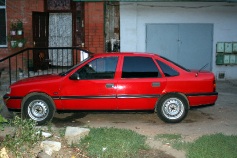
(72, 68)
(176, 64)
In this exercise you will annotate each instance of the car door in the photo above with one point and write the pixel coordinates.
(140, 85)
(93, 88)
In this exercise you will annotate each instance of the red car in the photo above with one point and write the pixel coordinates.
(115, 81)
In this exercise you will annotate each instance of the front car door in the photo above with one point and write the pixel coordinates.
(95, 87)
(140, 85)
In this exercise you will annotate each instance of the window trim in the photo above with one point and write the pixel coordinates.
(4, 7)
(170, 67)
(98, 73)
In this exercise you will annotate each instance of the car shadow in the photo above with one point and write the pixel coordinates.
(68, 119)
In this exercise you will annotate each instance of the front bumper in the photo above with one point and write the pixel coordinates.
(12, 103)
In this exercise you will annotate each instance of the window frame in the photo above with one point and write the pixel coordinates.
(95, 72)
(3, 7)
(171, 69)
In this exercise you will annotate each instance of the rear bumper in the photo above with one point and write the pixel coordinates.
(202, 99)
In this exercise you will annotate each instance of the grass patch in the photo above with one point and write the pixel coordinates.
(2, 122)
(112, 142)
(217, 145)
(208, 146)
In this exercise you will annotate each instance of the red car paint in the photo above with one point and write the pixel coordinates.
(117, 92)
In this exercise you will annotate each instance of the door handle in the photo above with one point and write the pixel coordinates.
(109, 85)
(155, 84)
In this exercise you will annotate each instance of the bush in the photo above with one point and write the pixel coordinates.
(25, 136)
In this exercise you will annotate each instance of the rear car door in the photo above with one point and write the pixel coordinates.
(95, 87)
(141, 84)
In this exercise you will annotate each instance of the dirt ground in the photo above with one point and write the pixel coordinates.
(220, 118)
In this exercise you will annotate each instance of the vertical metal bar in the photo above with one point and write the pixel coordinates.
(67, 50)
(10, 75)
(72, 56)
(28, 63)
(62, 58)
(57, 61)
(16, 68)
(46, 62)
(22, 62)
(76, 55)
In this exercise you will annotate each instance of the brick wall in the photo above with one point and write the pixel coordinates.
(21, 9)
(94, 26)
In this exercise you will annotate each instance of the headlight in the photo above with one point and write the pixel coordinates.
(8, 90)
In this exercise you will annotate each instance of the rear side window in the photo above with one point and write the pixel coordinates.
(167, 70)
(139, 67)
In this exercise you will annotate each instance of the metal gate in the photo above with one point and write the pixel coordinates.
(190, 45)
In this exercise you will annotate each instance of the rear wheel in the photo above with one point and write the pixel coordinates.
(172, 108)
(38, 108)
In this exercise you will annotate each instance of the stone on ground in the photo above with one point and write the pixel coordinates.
(74, 134)
(50, 146)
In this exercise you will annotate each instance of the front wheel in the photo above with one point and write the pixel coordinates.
(172, 108)
(38, 108)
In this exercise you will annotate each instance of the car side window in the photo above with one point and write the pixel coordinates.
(167, 70)
(139, 67)
(101, 68)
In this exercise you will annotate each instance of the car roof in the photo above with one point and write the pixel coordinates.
(125, 53)
(145, 54)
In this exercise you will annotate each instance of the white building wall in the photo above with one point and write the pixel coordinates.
(134, 17)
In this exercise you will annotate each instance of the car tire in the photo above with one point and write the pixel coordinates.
(172, 108)
(38, 108)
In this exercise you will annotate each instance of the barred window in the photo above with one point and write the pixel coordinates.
(3, 35)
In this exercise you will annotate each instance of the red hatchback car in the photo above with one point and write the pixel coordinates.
(115, 81)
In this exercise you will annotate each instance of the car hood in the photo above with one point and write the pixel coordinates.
(38, 79)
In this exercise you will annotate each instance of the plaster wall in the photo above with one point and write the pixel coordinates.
(135, 16)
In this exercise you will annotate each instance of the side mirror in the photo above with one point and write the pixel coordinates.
(74, 76)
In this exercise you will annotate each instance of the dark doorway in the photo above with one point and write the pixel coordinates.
(40, 23)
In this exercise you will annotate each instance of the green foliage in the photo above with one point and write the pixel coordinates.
(25, 136)
(62, 132)
(19, 24)
(112, 142)
(22, 40)
(2, 121)
(175, 140)
(217, 145)
(207, 146)
(13, 25)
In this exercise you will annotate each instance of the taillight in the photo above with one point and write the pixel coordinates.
(214, 85)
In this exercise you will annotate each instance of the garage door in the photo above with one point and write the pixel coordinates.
(189, 45)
